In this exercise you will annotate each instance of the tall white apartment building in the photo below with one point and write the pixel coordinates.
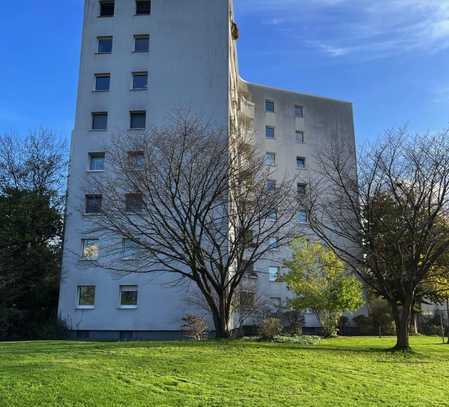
(141, 60)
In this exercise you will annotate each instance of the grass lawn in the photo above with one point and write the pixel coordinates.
(338, 372)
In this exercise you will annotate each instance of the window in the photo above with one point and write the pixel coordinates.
(99, 121)
(143, 7)
(270, 159)
(271, 185)
(104, 45)
(138, 119)
(107, 8)
(130, 249)
(93, 203)
(269, 106)
(96, 161)
(140, 80)
(301, 189)
(276, 301)
(248, 238)
(86, 296)
(90, 249)
(269, 132)
(102, 82)
(273, 274)
(247, 299)
(134, 202)
(299, 111)
(300, 163)
(302, 216)
(141, 43)
(300, 137)
(136, 160)
(128, 296)
(273, 215)
(273, 243)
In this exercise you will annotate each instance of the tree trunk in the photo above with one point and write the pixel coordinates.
(221, 321)
(402, 321)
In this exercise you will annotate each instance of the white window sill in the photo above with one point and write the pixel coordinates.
(85, 307)
(127, 307)
(92, 214)
(94, 171)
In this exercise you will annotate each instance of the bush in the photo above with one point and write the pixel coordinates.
(299, 340)
(269, 328)
(194, 327)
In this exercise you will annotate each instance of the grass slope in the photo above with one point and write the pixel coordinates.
(339, 372)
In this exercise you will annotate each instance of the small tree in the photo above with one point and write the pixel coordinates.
(322, 284)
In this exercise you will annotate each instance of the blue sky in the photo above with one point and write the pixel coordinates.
(389, 57)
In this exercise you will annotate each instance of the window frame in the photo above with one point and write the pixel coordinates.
(127, 288)
(140, 37)
(267, 130)
(95, 115)
(269, 102)
(302, 220)
(273, 155)
(303, 159)
(272, 279)
(84, 247)
(99, 76)
(137, 74)
(137, 7)
(93, 156)
(129, 257)
(104, 3)
(104, 37)
(130, 194)
(300, 109)
(78, 296)
(133, 114)
(300, 137)
(98, 197)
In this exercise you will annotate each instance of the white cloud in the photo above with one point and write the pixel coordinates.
(375, 29)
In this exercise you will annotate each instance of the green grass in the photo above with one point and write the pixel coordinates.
(339, 372)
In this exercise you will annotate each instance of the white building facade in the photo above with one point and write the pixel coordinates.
(140, 62)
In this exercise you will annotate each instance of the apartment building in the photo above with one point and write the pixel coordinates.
(141, 61)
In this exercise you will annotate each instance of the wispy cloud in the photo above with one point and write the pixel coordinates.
(373, 29)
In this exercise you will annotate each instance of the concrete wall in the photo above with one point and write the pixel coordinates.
(188, 69)
(324, 120)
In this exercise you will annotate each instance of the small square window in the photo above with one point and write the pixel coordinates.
(273, 215)
(269, 106)
(270, 159)
(96, 161)
(136, 160)
(86, 296)
(102, 82)
(107, 8)
(248, 238)
(273, 244)
(143, 7)
(99, 121)
(300, 137)
(271, 185)
(247, 299)
(302, 216)
(130, 249)
(90, 249)
(273, 273)
(104, 45)
(134, 202)
(300, 163)
(128, 296)
(301, 189)
(269, 132)
(141, 43)
(299, 111)
(140, 80)
(93, 203)
(138, 119)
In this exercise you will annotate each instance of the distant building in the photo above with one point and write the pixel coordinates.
(140, 61)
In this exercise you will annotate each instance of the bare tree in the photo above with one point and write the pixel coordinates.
(196, 205)
(390, 224)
